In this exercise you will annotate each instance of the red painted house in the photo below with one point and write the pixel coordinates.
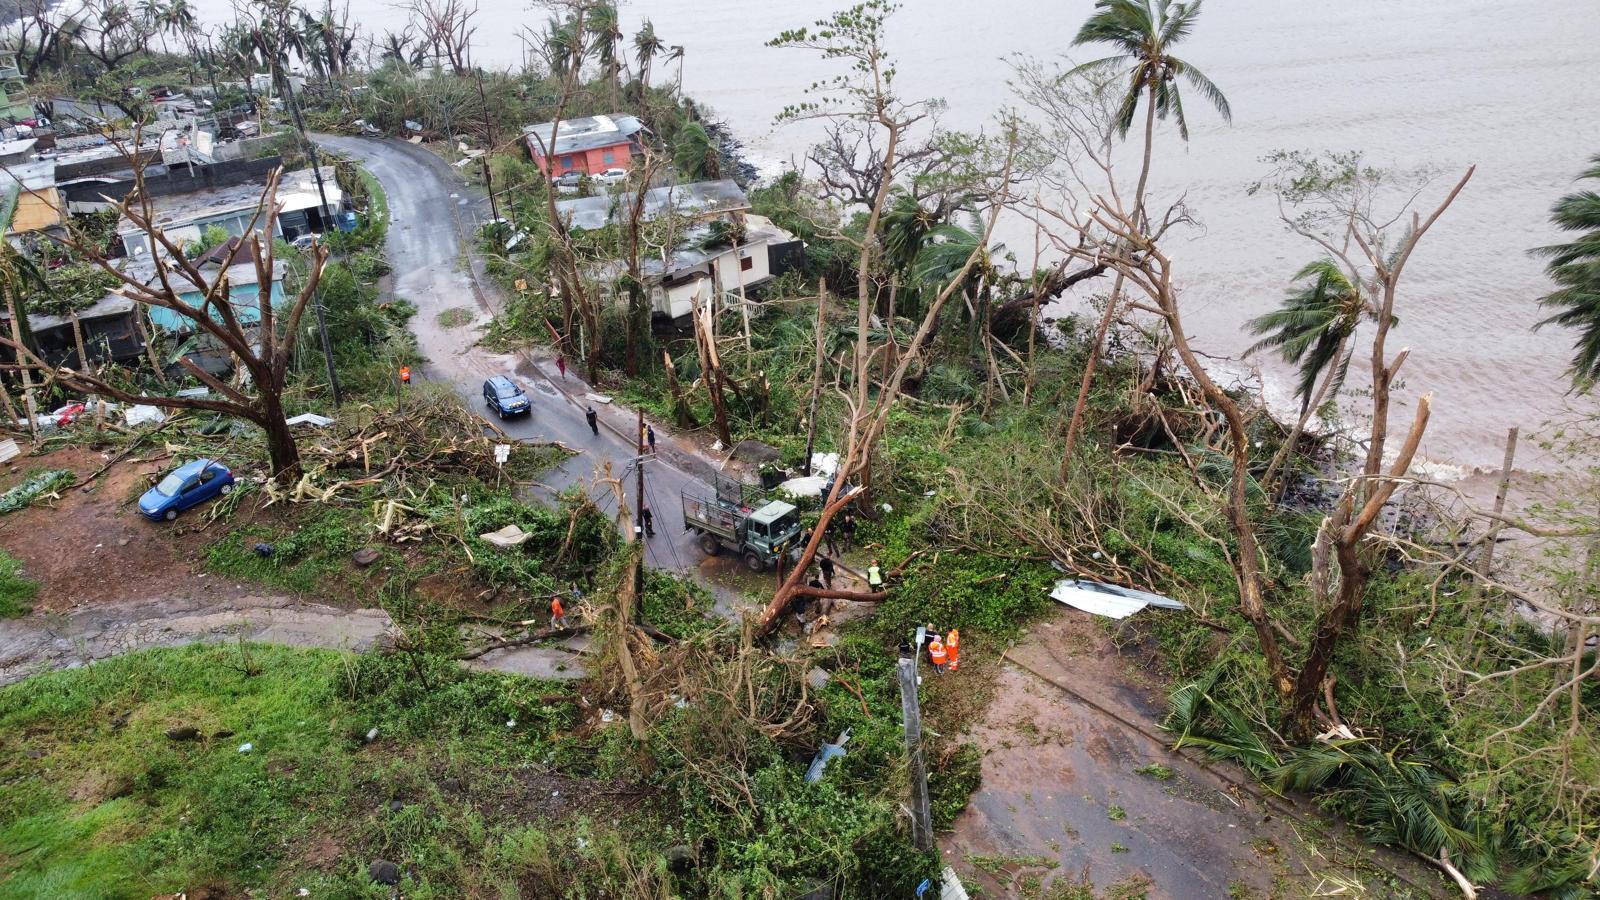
(589, 145)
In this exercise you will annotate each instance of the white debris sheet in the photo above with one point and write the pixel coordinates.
(1109, 600)
(507, 537)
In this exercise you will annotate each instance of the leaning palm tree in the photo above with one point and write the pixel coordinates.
(676, 53)
(646, 46)
(605, 33)
(1311, 330)
(561, 45)
(1575, 268)
(1144, 32)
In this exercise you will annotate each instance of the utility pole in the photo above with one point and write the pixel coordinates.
(911, 709)
(638, 490)
(322, 212)
(488, 130)
(816, 376)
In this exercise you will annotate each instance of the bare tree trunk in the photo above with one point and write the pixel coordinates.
(711, 371)
(29, 402)
(1088, 370)
(149, 346)
(681, 411)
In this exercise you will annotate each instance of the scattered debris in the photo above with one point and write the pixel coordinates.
(364, 557)
(9, 450)
(134, 416)
(1109, 600)
(42, 484)
(183, 733)
(507, 537)
(246, 747)
(828, 751)
(310, 419)
(383, 871)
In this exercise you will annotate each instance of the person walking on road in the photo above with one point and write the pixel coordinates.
(826, 565)
(937, 654)
(561, 366)
(875, 576)
(649, 521)
(558, 613)
(593, 418)
(650, 438)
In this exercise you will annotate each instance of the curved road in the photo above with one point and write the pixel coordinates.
(433, 216)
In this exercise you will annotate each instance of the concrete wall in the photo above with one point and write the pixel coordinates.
(177, 180)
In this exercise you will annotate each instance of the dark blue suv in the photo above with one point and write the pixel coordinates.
(504, 397)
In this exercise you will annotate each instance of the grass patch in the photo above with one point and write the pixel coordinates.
(456, 317)
(16, 592)
(304, 558)
(101, 802)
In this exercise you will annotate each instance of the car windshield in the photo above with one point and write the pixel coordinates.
(508, 391)
(170, 484)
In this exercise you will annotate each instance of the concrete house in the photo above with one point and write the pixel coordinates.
(708, 261)
(110, 333)
(185, 217)
(590, 145)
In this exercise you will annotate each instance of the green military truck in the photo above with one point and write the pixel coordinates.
(738, 518)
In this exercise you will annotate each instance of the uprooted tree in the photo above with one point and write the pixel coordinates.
(261, 350)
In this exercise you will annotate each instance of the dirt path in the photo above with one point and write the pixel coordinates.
(1078, 784)
(49, 641)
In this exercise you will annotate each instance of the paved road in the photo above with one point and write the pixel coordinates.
(433, 213)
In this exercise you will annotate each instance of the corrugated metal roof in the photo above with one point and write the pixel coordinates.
(584, 133)
(698, 200)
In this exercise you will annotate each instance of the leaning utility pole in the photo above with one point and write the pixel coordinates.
(911, 709)
(322, 213)
(488, 140)
(816, 376)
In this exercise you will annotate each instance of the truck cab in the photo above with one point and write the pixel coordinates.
(772, 531)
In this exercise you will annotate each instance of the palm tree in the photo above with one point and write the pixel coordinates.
(561, 46)
(1144, 32)
(1575, 268)
(647, 46)
(154, 14)
(676, 53)
(1311, 329)
(605, 33)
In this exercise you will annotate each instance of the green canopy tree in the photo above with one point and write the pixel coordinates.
(1575, 268)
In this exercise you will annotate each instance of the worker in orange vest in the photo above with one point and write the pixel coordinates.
(936, 652)
(405, 375)
(952, 648)
(558, 614)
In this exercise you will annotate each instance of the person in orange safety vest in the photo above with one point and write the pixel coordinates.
(405, 374)
(952, 648)
(558, 614)
(936, 652)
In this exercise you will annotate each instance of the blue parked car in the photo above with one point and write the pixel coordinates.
(188, 485)
(503, 396)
